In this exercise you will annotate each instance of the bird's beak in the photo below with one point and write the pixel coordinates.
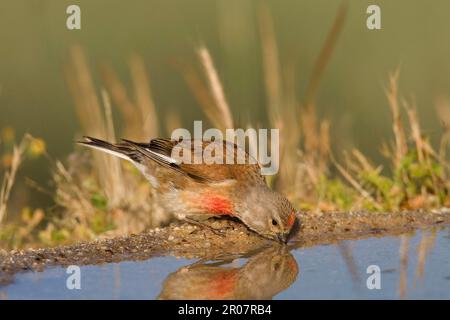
(283, 237)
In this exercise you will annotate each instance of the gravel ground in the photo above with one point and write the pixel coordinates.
(190, 241)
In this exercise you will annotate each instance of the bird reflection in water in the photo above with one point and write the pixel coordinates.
(261, 277)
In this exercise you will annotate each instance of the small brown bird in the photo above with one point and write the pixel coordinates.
(194, 190)
(264, 275)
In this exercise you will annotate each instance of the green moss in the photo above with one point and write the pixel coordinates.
(99, 201)
(101, 222)
(335, 192)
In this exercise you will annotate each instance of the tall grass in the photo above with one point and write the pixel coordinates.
(98, 195)
(309, 173)
(94, 122)
(305, 143)
(216, 88)
(10, 177)
(14, 232)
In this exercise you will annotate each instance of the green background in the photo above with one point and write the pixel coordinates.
(35, 42)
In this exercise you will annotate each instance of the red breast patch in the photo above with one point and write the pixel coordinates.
(223, 284)
(217, 204)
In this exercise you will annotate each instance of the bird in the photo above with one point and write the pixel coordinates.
(194, 190)
(263, 275)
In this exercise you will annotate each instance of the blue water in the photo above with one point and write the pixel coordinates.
(327, 272)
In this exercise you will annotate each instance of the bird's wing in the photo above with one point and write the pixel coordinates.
(187, 157)
(158, 151)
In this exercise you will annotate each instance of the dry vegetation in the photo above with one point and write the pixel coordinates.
(99, 196)
(16, 232)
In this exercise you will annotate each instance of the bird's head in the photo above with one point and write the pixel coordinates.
(269, 214)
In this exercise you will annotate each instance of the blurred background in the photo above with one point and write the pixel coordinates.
(34, 96)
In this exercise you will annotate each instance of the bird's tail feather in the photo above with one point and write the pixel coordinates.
(120, 151)
(137, 153)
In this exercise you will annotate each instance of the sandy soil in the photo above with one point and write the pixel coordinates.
(190, 241)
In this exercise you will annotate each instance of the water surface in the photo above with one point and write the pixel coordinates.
(411, 266)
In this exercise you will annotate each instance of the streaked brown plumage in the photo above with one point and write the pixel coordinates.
(195, 190)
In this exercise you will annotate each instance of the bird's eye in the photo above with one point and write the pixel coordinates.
(274, 222)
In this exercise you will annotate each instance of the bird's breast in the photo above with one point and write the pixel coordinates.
(216, 203)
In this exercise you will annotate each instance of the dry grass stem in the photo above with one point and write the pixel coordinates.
(355, 184)
(144, 99)
(215, 87)
(9, 178)
(397, 126)
(271, 63)
(325, 55)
